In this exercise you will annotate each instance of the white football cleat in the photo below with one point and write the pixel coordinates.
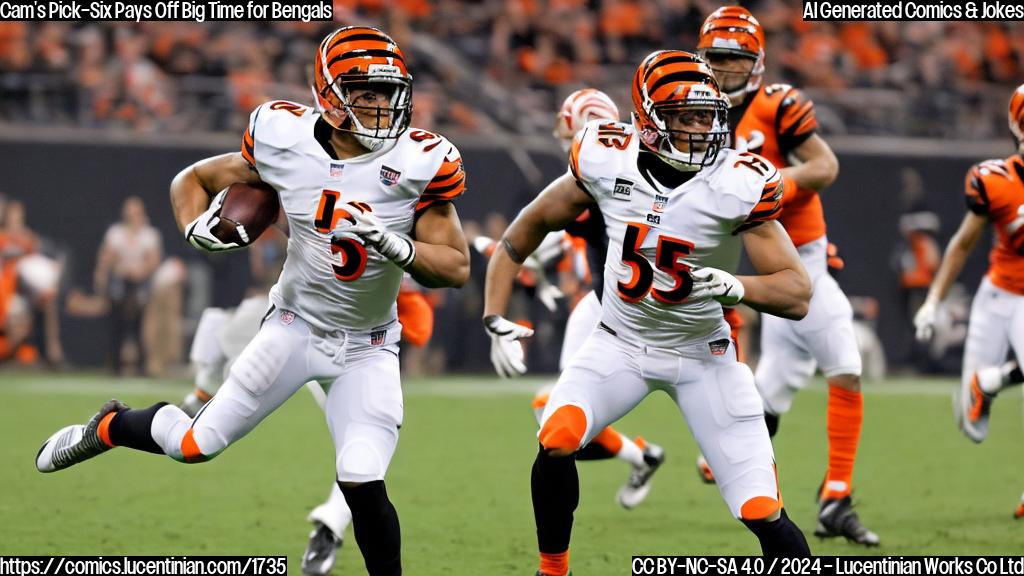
(75, 443)
(639, 484)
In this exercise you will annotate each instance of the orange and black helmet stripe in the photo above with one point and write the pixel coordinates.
(350, 50)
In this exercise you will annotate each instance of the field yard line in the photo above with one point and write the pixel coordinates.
(454, 386)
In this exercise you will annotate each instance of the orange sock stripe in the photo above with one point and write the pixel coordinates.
(104, 429)
(202, 395)
(554, 564)
(759, 508)
(540, 401)
(845, 416)
(565, 428)
(609, 439)
(190, 451)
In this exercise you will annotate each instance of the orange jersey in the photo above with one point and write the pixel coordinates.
(995, 189)
(776, 120)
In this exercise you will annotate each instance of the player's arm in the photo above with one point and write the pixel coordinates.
(818, 167)
(558, 205)
(442, 254)
(193, 187)
(781, 286)
(955, 256)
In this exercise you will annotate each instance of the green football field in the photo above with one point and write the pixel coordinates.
(461, 484)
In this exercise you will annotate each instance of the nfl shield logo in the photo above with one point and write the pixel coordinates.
(659, 203)
(377, 337)
(287, 317)
(389, 176)
(336, 169)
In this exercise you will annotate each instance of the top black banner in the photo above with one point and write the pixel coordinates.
(167, 10)
(881, 10)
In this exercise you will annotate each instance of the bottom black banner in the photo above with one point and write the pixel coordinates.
(844, 565)
(100, 565)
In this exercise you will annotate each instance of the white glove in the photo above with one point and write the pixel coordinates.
(718, 284)
(924, 321)
(548, 293)
(199, 232)
(506, 350)
(395, 247)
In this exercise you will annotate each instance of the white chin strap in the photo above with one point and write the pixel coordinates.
(674, 158)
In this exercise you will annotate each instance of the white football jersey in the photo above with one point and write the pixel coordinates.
(329, 278)
(656, 234)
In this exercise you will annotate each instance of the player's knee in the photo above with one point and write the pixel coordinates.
(200, 445)
(760, 509)
(359, 462)
(849, 382)
(564, 430)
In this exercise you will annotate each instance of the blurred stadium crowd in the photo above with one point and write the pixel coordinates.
(503, 64)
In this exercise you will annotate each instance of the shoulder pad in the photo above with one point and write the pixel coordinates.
(600, 148)
(277, 123)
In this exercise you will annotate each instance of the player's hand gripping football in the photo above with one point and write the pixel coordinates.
(924, 321)
(199, 232)
(718, 284)
(395, 247)
(506, 350)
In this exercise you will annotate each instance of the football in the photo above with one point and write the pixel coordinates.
(254, 206)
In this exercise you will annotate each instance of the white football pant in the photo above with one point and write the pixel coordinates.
(791, 350)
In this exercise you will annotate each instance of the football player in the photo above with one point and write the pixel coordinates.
(994, 194)
(366, 198)
(677, 206)
(778, 122)
(644, 457)
(221, 336)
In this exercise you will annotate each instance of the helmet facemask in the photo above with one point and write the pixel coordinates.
(678, 138)
(723, 62)
(374, 107)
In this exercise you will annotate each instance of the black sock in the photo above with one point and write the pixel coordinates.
(772, 420)
(780, 538)
(375, 523)
(556, 493)
(133, 429)
(594, 451)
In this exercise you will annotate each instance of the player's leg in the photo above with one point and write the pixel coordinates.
(725, 414)
(644, 457)
(364, 414)
(271, 369)
(827, 331)
(208, 360)
(735, 321)
(785, 367)
(601, 384)
(723, 409)
(330, 518)
(988, 342)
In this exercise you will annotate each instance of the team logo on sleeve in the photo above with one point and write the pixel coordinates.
(389, 176)
(623, 187)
